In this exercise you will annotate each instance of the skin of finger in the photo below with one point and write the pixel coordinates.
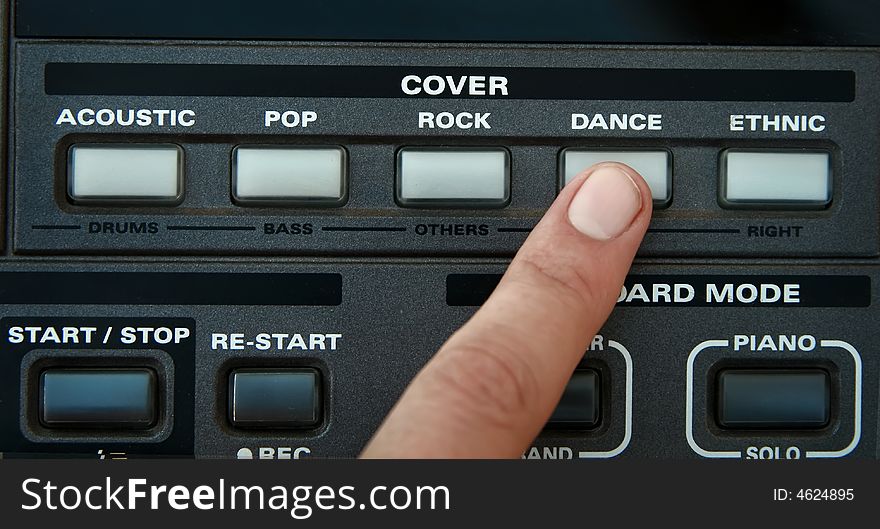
(491, 387)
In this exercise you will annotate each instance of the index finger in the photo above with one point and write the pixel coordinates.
(491, 387)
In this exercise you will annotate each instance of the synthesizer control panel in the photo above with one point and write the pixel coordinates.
(246, 248)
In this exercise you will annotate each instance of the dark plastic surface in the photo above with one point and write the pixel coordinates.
(380, 81)
(394, 316)
(580, 404)
(107, 398)
(751, 22)
(393, 283)
(279, 398)
(774, 399)
(373, 129)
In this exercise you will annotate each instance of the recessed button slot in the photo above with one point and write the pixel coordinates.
(308, 176)
(654, 166)
(580, 405)
(768, 179)
(467, 177)
(274, 398)
(98, 398)
(777, 399)
(110, 174)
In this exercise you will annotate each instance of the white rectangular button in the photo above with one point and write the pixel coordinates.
(767, 178)
(453, 177)
(654, 166)
(289, 175)
(124, 173)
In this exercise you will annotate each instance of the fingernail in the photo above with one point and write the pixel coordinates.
(606, 204)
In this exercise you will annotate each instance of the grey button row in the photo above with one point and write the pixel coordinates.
(120, 174)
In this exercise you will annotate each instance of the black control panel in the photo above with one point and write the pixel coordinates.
(243, 240)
